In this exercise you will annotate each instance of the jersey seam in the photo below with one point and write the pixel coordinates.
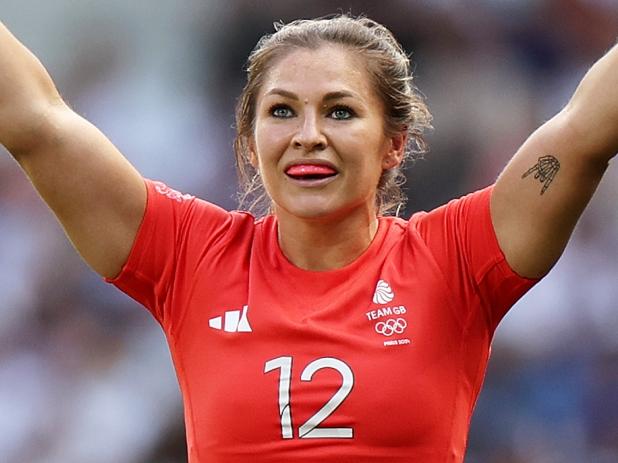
(481, 369)
(186, 397)
(445, 284)
(495, 263)
(460, 379)
(178, 242)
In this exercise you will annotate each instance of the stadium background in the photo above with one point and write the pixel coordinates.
(85, 375)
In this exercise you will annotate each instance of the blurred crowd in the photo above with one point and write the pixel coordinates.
(85, 374)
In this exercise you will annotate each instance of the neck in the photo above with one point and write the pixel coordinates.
(326, 244)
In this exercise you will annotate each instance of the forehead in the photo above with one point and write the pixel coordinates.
(327, 68)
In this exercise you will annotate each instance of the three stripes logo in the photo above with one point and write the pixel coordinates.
(233, 321)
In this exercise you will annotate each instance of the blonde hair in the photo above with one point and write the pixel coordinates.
(389, 68)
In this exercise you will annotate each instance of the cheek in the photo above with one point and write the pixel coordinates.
(364, 155)
(271, 141)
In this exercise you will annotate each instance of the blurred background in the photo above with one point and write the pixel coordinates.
(85, 374)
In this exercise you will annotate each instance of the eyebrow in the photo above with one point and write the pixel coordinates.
(328, 97)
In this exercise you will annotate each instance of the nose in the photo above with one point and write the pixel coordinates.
(309, 135)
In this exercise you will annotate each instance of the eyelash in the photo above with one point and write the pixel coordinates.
(278, 106)
(343, 108)
(275, 107)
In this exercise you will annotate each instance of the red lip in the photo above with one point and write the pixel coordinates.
(304, 170)
(310, 169)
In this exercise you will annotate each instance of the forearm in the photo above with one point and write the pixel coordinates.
(593, 109)
(26, 90)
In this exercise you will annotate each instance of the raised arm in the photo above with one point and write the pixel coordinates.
(539, 197)
(98, 197)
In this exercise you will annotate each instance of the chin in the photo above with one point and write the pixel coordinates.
(322, 210)
(310, 209)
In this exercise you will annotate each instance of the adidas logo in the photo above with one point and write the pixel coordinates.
(233, 321)
(383, 294)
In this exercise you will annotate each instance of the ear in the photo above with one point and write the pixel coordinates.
(396, 150)
(253, 159)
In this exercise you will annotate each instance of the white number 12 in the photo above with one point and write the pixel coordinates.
(310, 428)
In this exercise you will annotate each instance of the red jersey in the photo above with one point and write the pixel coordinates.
(381, 360)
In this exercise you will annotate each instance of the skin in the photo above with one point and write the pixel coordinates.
(96, 194)
(100, 199)
(320, 105)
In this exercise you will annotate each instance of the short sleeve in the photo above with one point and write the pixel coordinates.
(150, 269)
(461, 237)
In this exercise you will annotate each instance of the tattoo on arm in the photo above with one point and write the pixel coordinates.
(544, 170)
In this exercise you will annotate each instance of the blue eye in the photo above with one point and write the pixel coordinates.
(342, 113)
(281, 111)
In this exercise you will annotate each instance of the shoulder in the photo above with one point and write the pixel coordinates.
(188, 219)
(467, 208)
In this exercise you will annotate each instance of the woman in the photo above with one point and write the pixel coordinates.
(323, 331)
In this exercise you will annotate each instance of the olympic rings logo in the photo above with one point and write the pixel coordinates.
(391, 326)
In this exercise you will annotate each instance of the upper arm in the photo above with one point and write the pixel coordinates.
(96, 194)
(542, 192)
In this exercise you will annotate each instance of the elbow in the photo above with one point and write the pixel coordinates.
(594, 138)
(28, 127)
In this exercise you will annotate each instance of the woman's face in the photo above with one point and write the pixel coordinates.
(319, 140)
